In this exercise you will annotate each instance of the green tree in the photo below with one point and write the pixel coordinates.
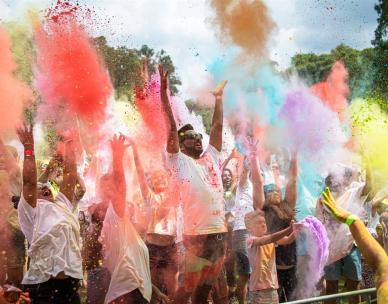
(381, 59)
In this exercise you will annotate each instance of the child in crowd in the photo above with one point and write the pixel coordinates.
(263, 282)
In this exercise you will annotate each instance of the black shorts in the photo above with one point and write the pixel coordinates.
(163, 256)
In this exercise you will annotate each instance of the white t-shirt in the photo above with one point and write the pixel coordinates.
(243, 205)
(201, 185)
(163, 217)
(125, 256)
(53, 232)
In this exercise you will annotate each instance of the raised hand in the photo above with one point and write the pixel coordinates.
(251, 146)
(118, 145)
(163, 77)
(329, 202)
(219, 89)
(26, 136)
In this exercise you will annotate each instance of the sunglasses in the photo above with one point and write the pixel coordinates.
(192, 135)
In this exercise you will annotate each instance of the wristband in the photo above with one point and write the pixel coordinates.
(350, 219)
(28, 153)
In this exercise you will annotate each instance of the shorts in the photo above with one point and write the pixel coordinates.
(239, 241)
(204, 259)
(163, 256)
(349, 267)
(267, 296)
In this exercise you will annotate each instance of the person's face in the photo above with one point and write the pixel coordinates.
(159, 182)
(226, 179)
(192, 143)
(260, 227)
(274, 197)
(44, 193)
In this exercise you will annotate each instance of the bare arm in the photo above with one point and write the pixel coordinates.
(118, 148)
(172, 136)
(67, 187)
(218, 118)
(140, 171)
(257, 178)
(272, 238)
(29, 165)
(370, 249)
(291, 189)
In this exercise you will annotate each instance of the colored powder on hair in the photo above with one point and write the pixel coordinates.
(370, 133)
(69, 75)
(335, 90)
(14, 94)
(313, 251)
(244, 23)
(149, 105)
(311, 128)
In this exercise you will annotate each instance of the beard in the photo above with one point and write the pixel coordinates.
(193, 152)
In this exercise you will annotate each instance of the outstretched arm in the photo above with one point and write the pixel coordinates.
(172, 136)
(67, 187)
(291, 189)
(257, 178)
(140, 171)
(272, 238)
(370, 249)
(29, 166)
(218, 118)
(118, 147)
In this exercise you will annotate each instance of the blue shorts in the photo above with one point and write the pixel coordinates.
(349, 267)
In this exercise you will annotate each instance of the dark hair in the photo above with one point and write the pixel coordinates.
(181, 131)
(227, 169)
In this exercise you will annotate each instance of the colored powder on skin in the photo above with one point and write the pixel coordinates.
(149, 105)
(14, 94)
(69, 74)
(370, 133)
(334, 91)
(313, 251)
(244, 23)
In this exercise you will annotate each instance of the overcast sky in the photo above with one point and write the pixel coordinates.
(182, 27)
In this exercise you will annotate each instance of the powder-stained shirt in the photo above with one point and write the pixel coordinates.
(243, 205)
(53, 232)
(125, 256)
(200, 182)
(163, 215)
(263, 263)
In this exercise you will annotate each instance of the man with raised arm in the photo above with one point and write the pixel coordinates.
(51, 228)
(199, 175)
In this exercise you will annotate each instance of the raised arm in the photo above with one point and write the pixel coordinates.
(274, 237)
(29, 165)
(291, 189)
(67, 187)
(118, 147)
(257, 178)
(140, 171)
(218, 117)
(172, 136)
(370, 249)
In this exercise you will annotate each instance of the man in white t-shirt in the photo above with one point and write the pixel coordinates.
(199, 175)
(52, 230)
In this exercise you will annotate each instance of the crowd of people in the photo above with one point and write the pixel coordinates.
(202, 232)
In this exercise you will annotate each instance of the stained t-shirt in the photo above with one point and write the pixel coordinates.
(201, 184)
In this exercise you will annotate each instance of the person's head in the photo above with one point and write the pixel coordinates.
(227, 178)
(382, 207)
(44, 192)
(159, 181)
(190, 142)
(106, 188)
(273, 194)
(339, 179)
(255, 223)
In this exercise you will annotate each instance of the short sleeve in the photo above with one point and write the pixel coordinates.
(27, 216)
(178, 165)
(215, 154)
